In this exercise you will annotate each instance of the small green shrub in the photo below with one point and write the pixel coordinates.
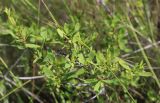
(79, 57)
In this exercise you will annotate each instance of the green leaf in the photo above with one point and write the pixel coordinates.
(47, 71)
(123, 63)
(43, 32)
(91, 81)
(60, 32)
(81, 58)
(74, 74)
(97, 86)
(66, 28)
(33, 46)
(76, 37)
(111, 82)
(3, 62)
(145, 74)
(100, 57)
(2, 88)
(67, 65)
(7, 32)
(80, 72)
(77, 27)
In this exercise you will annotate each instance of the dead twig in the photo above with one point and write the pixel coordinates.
(16, 62)
(31, 78)
(24, 89)
(139, 50)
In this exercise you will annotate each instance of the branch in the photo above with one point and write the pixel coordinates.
(31, 78)
(139, 50)
(16, 62)
(24, 89)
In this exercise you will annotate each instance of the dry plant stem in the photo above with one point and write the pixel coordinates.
(149, 22)
(31, 78)
(34, 70)
(137, 93)
(24, 89)
(146, 59)
(92, 98)
(16, 62)
(53, 18)
(139, 50)
(4, 45)
(130, 26)
(14, 90)
(39, 8)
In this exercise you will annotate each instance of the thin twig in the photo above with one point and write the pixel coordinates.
(51, 15)
(102, 91)
(14, 90)
(24, 89)
(137, 93)
(4, 45)
(16, 62)
(31, 78)
(139, 50)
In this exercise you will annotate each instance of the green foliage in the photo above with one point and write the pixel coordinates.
(77, 51)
